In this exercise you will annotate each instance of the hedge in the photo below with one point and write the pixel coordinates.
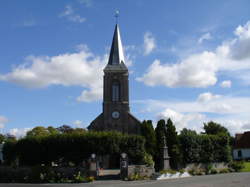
(203, 148)
(73, 147)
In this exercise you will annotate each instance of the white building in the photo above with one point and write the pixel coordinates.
(241, 148)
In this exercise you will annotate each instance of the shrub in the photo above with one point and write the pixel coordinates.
(148, 160)
(204, 148)
(214, 171)
(170, 171)
(236, 165)
(73, 148)
(40, 174)
(224, 170)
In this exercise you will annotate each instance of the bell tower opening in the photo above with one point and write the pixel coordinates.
(115, 91)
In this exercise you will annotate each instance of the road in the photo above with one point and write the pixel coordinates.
(221, 180)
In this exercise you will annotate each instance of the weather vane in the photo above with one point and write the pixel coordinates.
(117, 15)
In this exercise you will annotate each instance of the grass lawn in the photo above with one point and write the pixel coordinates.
(246, 167)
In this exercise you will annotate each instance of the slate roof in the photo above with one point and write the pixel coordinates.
(242, 140)
(116, 57)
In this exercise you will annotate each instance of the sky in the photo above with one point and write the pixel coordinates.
(188, 61)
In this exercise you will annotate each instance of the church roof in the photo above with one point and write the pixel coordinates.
(116, 56)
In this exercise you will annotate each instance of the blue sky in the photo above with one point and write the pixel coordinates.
(188, 60)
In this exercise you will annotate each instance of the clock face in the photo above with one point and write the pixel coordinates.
(115, 114)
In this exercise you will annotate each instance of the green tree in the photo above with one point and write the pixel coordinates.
(190, 146)
(215, 128)
(52, 130)
(65, 129)
(38, 131)
(173, 144)
(147, 131)
(160, 133)
(2, 138)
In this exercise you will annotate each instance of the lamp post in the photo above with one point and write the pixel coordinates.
(124, 166)
(93, 169)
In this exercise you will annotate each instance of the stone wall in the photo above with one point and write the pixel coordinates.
(141, 170)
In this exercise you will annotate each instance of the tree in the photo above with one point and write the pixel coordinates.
(38, 131)
(65, 129)
(9, 138)
(2, 138)
(52, 130)
(190, 146)
(215, 128)
(160, 133)
(147, 131)
(173, 144)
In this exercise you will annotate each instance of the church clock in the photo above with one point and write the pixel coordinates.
(115, 114)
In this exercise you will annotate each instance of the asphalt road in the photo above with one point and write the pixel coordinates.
(221, 180)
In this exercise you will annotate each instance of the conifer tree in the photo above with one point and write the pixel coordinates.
(147, 130)
(160, 132)
(173, 145)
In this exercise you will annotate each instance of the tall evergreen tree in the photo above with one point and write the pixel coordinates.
(173, 144)
(147, 130)
(160, 132)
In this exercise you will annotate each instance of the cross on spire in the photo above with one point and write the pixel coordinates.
(116, 15)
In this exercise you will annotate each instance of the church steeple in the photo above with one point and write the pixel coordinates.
(116, 56)
(116, 113)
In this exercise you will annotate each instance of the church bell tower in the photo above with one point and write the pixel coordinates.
(116, 113)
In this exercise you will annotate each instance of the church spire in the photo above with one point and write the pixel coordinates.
(116, 56)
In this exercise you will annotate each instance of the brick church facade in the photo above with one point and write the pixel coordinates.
(116, 112)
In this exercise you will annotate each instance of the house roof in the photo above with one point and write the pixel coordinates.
(242, 140)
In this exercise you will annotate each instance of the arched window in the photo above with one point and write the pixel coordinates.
(115, 91)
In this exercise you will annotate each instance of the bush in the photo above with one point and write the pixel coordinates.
(224, 170)
(136, 176)
(40, 174)
(203, 148)
(74, 148)
(197, 171)
(237, 165)
(170, 171)
(214, 171)
(148, 160)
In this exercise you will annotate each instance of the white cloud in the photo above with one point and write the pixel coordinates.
(195, 71)
(149, 43)
(226, 84)
(206, 36)
(246, 126)
(3, 121)
(90, 95)
(191, 120)
(200, 69)
(80, 68)
(232, 112)
(19, 132)
(78, 123)
(207, 96)
(70, 14)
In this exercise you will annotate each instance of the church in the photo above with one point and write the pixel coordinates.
(116, 114)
